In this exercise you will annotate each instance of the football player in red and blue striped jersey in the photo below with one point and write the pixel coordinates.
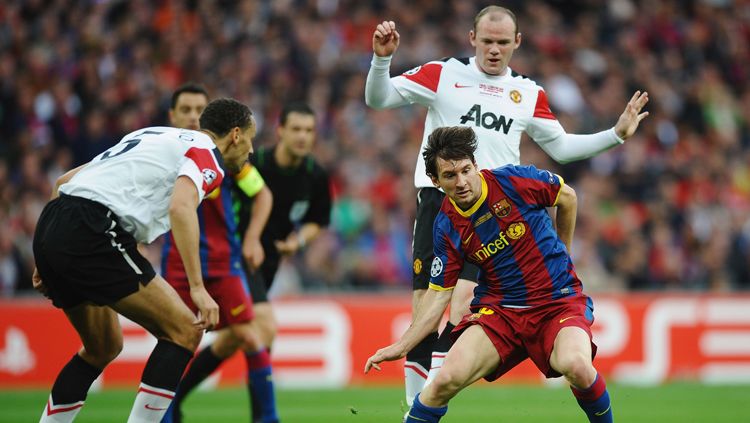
(529, 302)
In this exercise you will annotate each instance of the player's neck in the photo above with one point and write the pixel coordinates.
(284, 159)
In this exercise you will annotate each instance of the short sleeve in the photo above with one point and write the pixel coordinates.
(447, 264)
(535, 186)
(203, 169)
(419, 85)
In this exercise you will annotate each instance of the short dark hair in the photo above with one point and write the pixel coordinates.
(190, 87)
(223, 114)
(294, 107)
(495, 9)
(449, 143)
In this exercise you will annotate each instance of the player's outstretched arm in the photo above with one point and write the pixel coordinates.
(385, 39)
(426, 321)
(186, 233)
(632, 116)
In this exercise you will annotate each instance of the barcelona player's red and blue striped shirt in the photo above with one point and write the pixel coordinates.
(220, 249)
(509, 235)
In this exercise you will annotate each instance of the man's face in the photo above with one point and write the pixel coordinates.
(241, 147)
(460, 180)
(297, 135)
(494, 42)
(188, 110)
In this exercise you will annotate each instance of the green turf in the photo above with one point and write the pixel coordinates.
(489, 403)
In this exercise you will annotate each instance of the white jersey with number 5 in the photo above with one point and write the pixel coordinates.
(498, 107)
(135, 178)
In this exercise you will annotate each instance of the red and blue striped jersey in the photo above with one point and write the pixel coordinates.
(220, 248)
(509, 235)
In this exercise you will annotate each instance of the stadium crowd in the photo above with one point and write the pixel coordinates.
(670, 209)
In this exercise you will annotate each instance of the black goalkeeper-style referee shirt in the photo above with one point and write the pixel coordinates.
(300, 195)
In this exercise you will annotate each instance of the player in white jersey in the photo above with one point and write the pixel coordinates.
(88, 264)
(485, 93)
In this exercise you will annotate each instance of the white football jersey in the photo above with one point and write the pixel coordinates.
(498, 108)
(135, 178)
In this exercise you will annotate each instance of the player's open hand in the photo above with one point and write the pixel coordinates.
(208, 310)
(36, 281)
(389, 353)
(632, 116)
(385, 39)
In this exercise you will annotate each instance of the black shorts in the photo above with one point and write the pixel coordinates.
(261, 280)
(429, 201)
(83, 254)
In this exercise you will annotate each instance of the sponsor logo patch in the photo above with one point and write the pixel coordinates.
(516, 230)
(413, 71)
(437, 267)
(209, 175)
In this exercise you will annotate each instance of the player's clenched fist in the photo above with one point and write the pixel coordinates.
(385, 39)
(208, 310)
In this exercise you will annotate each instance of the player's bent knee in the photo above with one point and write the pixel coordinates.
(246, 337)
(102, 353)
(185, 335)
(574, 365)
(446, 385)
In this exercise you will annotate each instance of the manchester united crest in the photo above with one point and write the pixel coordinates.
(501, 208)
(417, 266)
(515, 95)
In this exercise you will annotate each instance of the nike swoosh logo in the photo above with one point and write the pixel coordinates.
(149, 407)
(417, 418)
(237, 310)
(570, 317)
(467, 239)
(457, 85)
(602, 412)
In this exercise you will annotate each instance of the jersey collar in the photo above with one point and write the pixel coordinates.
(476, 205)
(474, 68)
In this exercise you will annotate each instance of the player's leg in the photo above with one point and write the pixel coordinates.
(264, 327)
(259, 373)
(418, 360)
(203, 365)
(461, 298)
(100, 333)
(264, 322)
(157, 307)
(571, 356)
(472, 357)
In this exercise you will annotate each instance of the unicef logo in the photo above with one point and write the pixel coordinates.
(437, 267)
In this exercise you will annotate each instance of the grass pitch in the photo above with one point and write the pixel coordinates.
(682, 402)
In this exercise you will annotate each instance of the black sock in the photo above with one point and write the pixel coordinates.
(444, 341)
(165, 365)
(202, 366)
(422, 353)
(73, 381)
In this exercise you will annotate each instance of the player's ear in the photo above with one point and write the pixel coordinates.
(434, 181)
(473, 38)
(236, 135)
(518, 40)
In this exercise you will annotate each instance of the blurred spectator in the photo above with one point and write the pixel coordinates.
(669, 210)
